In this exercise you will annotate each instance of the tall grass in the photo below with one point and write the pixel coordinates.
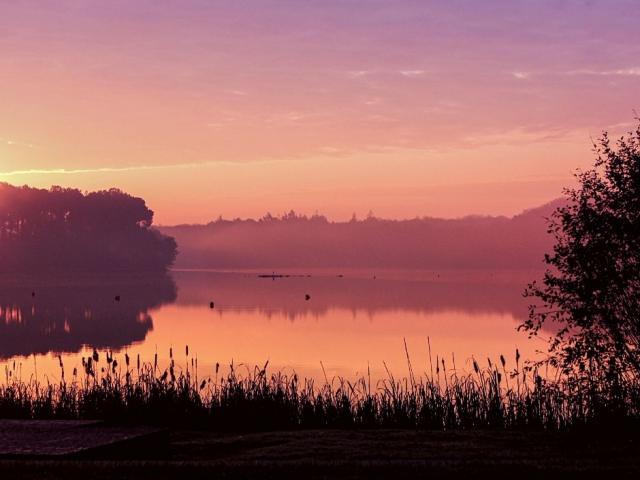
(491, 396)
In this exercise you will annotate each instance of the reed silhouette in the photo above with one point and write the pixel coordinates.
(500, 395)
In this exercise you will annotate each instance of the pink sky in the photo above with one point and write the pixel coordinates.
(405, 108)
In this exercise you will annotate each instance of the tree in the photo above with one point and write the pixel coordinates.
(591, 288)
(64, 229)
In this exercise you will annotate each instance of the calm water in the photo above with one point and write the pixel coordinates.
(350, 323)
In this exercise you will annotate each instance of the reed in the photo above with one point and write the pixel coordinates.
(254, 399)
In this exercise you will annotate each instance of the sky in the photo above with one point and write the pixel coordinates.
(238, 108)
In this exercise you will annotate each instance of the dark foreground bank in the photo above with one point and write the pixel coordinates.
(312, 454)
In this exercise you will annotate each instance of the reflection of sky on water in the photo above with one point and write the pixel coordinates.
(349, 323)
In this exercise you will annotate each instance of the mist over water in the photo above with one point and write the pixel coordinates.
(298, 241)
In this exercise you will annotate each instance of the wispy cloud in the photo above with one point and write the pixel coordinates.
(78, 171)
(372, 101)
(623, 72)
(411, 73)
(521, 75)
(16, 143)
(358, 73)
(131, 168)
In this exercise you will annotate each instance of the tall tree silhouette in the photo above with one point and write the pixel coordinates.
(64, 229)
(592, 286)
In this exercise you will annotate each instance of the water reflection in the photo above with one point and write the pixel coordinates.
(63, 314)
(351, 323)
(474, 293)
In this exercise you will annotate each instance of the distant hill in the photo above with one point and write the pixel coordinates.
(294, 241)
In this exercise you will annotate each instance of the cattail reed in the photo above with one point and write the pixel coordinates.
(259, 400)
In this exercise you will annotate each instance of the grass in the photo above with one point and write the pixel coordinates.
(256, 400)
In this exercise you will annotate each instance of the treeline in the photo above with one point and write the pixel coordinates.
(298, 241)
(65, 229)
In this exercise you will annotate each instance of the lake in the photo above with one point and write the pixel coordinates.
(351, 323)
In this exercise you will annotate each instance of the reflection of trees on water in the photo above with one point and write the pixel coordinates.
(64, 314)
(478, 294)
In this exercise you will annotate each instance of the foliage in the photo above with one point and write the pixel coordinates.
(64, 229)
(590, 293)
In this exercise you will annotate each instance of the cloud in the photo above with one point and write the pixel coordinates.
(132, 168)
(624, 72)
(358, 73)
(411, 73)
(521, 75)
(15, 143)
(77, 171)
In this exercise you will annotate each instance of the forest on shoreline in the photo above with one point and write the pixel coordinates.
(64, 229)
(298, 241)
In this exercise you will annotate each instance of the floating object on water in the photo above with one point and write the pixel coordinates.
(273, 275)
(307, 296)
(117, 299)
(211, 304)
